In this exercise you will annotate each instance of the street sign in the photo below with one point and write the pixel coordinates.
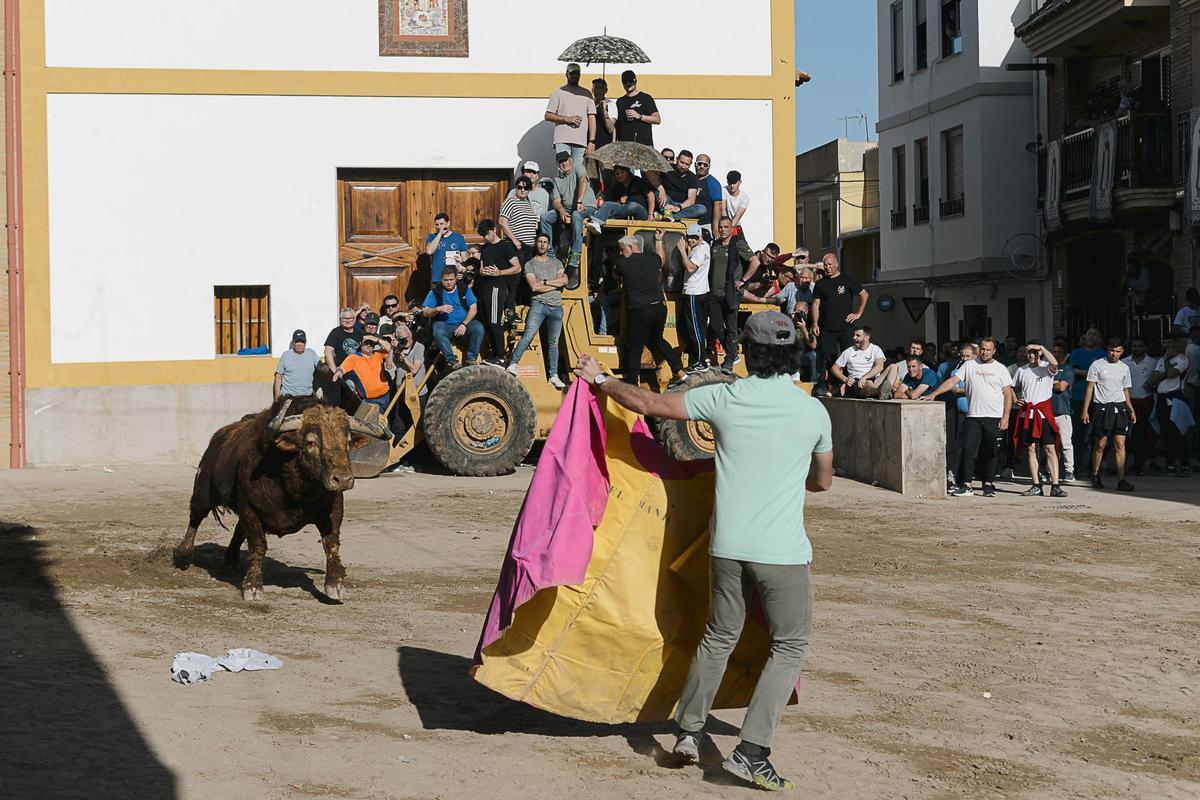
(916, 306)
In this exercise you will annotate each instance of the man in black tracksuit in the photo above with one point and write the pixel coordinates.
(499, 261)
(838, 302)
(733, 264)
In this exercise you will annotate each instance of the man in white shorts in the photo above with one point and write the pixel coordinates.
(860, 368)
(1108, 408)
(1036, 425)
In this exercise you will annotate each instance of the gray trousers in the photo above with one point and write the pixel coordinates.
(786, 593)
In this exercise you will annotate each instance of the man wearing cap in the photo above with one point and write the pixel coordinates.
(573, 200)
(758, 543)
(445, 247)
(366, 370)
(538, 196)
(573, 112)
(636, 112)
(294, 373)
(691, 309)
(627, 195)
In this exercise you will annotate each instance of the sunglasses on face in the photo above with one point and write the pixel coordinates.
(701, 163)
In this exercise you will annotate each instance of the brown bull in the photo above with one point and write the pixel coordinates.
(278, 473)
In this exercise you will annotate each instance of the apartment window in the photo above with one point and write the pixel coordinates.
(921, 34)
(800, 224)
(951, 27)
(826, 222)
(921, 206)
(242, 317)
(952, 204)
(900, 183)
(897, 41)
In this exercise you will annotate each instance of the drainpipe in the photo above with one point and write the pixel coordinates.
(16, 234)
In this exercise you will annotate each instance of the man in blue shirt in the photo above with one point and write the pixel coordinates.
(444, 247)
(1060, 403)
(711, 194)
(453, 309)
(918, 379)
(1081, 360)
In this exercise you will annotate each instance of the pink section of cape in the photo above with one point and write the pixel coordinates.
(552, 540)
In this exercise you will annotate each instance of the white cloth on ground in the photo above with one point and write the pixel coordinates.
(189, 668)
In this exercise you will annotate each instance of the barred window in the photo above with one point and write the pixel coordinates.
(242, 318)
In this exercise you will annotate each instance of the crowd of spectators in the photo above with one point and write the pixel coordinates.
(1056, 410)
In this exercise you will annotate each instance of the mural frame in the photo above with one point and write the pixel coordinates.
(453, 45)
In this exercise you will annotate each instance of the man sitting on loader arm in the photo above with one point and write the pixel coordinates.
(453, 309)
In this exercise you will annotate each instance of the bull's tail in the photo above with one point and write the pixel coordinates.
(216, 515)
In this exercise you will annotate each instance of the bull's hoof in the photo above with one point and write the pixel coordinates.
(252, 593)
(182, 556)
(334, 592)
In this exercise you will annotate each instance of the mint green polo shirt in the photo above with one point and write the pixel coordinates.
(766, 433)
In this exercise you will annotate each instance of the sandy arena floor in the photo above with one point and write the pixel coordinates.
(963, 648)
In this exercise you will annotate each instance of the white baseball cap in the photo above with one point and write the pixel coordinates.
(531, 165)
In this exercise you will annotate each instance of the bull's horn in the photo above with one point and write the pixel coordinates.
(291, 423)
(277, 420)
(369, 428)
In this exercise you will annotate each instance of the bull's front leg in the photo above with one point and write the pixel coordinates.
(256, 544)
(331, 532)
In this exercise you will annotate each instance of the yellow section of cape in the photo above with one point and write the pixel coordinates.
(617, 647)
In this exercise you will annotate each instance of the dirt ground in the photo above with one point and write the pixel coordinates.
(1013, 647)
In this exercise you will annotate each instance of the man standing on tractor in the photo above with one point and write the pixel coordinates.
(732, 264)
(546, 278)
(758, 537)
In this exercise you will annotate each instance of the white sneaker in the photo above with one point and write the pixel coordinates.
(556, 382)
(512, 369)
(593, 226)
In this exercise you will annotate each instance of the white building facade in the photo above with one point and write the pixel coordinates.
(172, 148)
(958, 134)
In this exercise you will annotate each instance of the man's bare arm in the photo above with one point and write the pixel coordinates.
(820, 472)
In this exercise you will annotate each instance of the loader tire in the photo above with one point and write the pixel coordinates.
(479, 421)
(689, 440)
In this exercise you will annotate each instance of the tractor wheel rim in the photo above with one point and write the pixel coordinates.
(701, 434)
(483, 424)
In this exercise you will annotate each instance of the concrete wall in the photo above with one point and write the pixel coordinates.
(134, 424)
(6, 400)
(344, 35)
(897, 444)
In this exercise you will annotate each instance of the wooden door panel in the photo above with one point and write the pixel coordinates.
(371, 284)
(468, 203)
(374, 211)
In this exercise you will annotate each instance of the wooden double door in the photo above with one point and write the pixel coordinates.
(385, 215)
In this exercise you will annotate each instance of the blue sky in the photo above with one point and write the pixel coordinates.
(835, 43)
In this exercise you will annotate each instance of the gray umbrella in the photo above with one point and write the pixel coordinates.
(604, 49)
(633, 155)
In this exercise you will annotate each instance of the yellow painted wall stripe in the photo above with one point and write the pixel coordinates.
(38, 81)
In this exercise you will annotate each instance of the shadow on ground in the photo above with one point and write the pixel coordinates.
(63, 730)
(210, 557)
(446, 697)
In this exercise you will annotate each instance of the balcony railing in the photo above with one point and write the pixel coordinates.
(952, 208)
(1183, 152)
(898, 218)
(1143, 155)
(920, 215)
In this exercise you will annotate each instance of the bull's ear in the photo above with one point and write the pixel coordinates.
(358, 440)
(287, 442)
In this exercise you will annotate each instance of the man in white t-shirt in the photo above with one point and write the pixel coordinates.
(859, 369)
(1189, 314)
(989, 393)
(1141, 393)
(1170, 373)
(1112, 417)
(1033, 383)
(691, 309)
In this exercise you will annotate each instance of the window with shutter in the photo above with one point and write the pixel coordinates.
(900, 182)
(897, 41)
(951, 27)
(921, 36)
(952, 202)
(921, 206)
(242, 318)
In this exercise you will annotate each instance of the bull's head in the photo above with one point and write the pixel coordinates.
(322, 438)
